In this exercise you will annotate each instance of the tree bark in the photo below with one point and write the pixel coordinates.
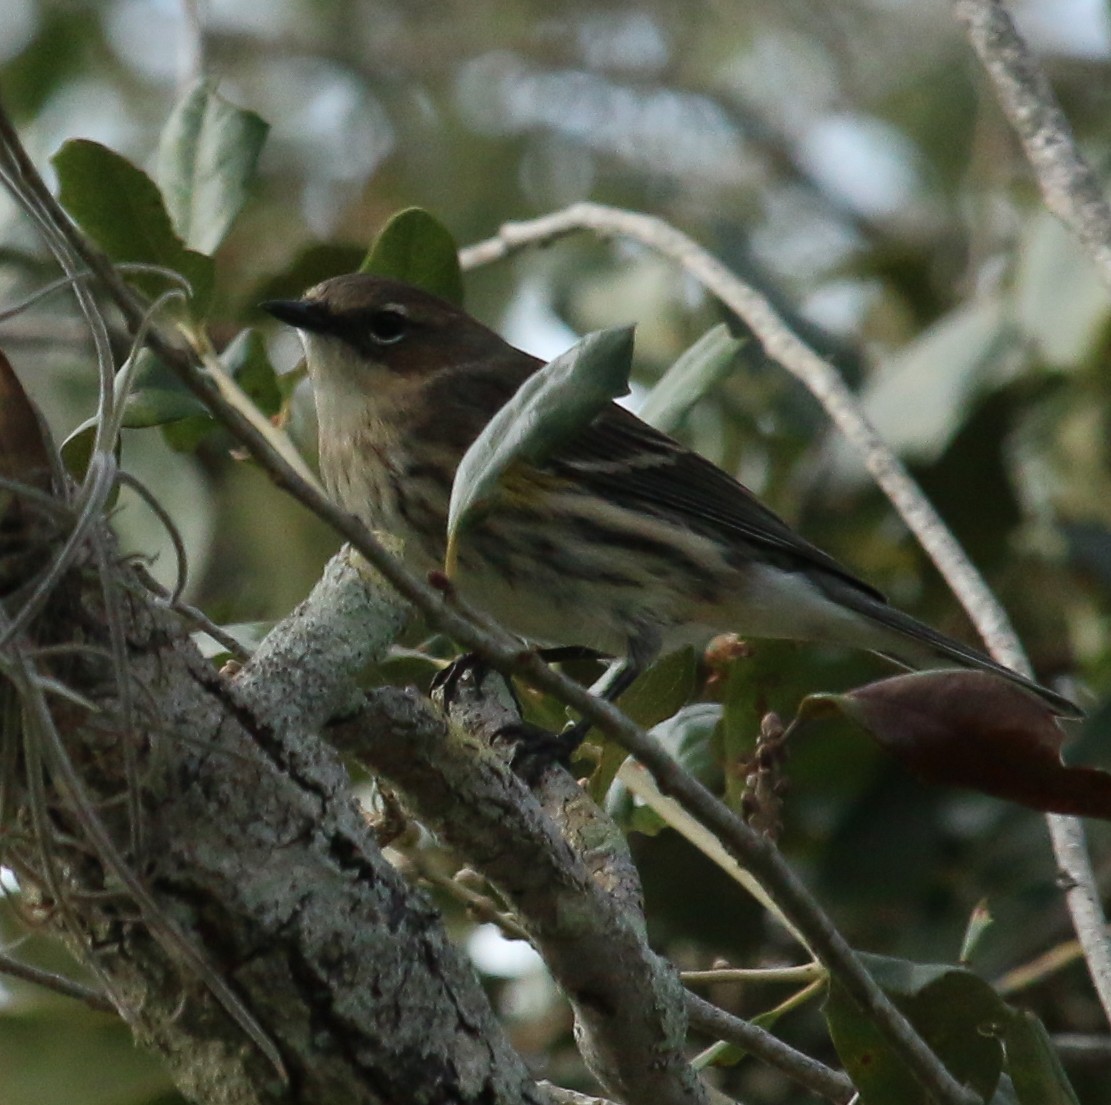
(252, 858)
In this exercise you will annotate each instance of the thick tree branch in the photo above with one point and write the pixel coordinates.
(254, 850)
(577, 894)
(504, 653)
(568, 874)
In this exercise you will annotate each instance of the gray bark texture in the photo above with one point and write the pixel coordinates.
(198, 847)
(253, 856)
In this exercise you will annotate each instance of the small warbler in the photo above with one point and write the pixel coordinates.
(624, 541)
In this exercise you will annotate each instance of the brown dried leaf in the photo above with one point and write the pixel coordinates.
(24, 448)
(973, 729)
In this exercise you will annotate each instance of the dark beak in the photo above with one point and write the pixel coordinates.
(304, 314)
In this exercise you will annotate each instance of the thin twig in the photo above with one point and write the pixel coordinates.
(1070, 188)
(823, 380)
(808, 972)
(94, 999)
(1037, 970)
(808, 1072)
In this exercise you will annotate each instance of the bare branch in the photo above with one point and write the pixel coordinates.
(13, 968)
(808, 1072)
(823, 380)
(1075, 195)
(1070, 188)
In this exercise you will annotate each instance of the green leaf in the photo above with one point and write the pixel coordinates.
(550, 406)
(206, 162)
(1035, 1070)
(312, 265)
(417, 248)
(184, 435)
(939, 376)
(77, 450)
(658, 694)
(154, 407)
(697, 371)
(249, 364)
(157, 396)
(662, 690)
(958, 1015)
(121, 209)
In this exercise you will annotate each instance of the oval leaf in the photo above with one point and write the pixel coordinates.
(206, 161)
(121, 209)
(418, 249)
(1035, 1070)
(958, 1015)
(973, 729)
(698, 371)
(550, 406)
(157, 396)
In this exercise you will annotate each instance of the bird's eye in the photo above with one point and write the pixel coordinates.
(388, 325)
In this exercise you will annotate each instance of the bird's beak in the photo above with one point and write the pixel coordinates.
(304, 314)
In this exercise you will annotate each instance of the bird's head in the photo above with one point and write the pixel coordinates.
(389, 361)
(380, 332)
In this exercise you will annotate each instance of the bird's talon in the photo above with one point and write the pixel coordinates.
(534, 749)
(470, 666)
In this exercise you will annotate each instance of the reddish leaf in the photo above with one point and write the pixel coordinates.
(25, 462)
(24, 452)
(973, 729)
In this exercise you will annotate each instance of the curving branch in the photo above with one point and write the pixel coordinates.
(504, 653)
(1074, 193)
(576, 893)
(808, 1072)
(825, 383)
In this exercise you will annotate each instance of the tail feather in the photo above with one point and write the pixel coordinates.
(914, 644)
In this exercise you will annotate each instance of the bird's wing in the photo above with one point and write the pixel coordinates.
(629, 462)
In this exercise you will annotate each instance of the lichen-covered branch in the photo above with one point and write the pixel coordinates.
(1074, 194)
(256, 853)
(560, 862)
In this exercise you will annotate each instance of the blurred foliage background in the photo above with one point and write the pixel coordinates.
(843, 157)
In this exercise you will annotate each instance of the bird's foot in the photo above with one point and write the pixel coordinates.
(531, 749)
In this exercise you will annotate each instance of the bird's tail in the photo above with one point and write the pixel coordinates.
(914, 644)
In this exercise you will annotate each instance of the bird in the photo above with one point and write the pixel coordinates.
(623, 541)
